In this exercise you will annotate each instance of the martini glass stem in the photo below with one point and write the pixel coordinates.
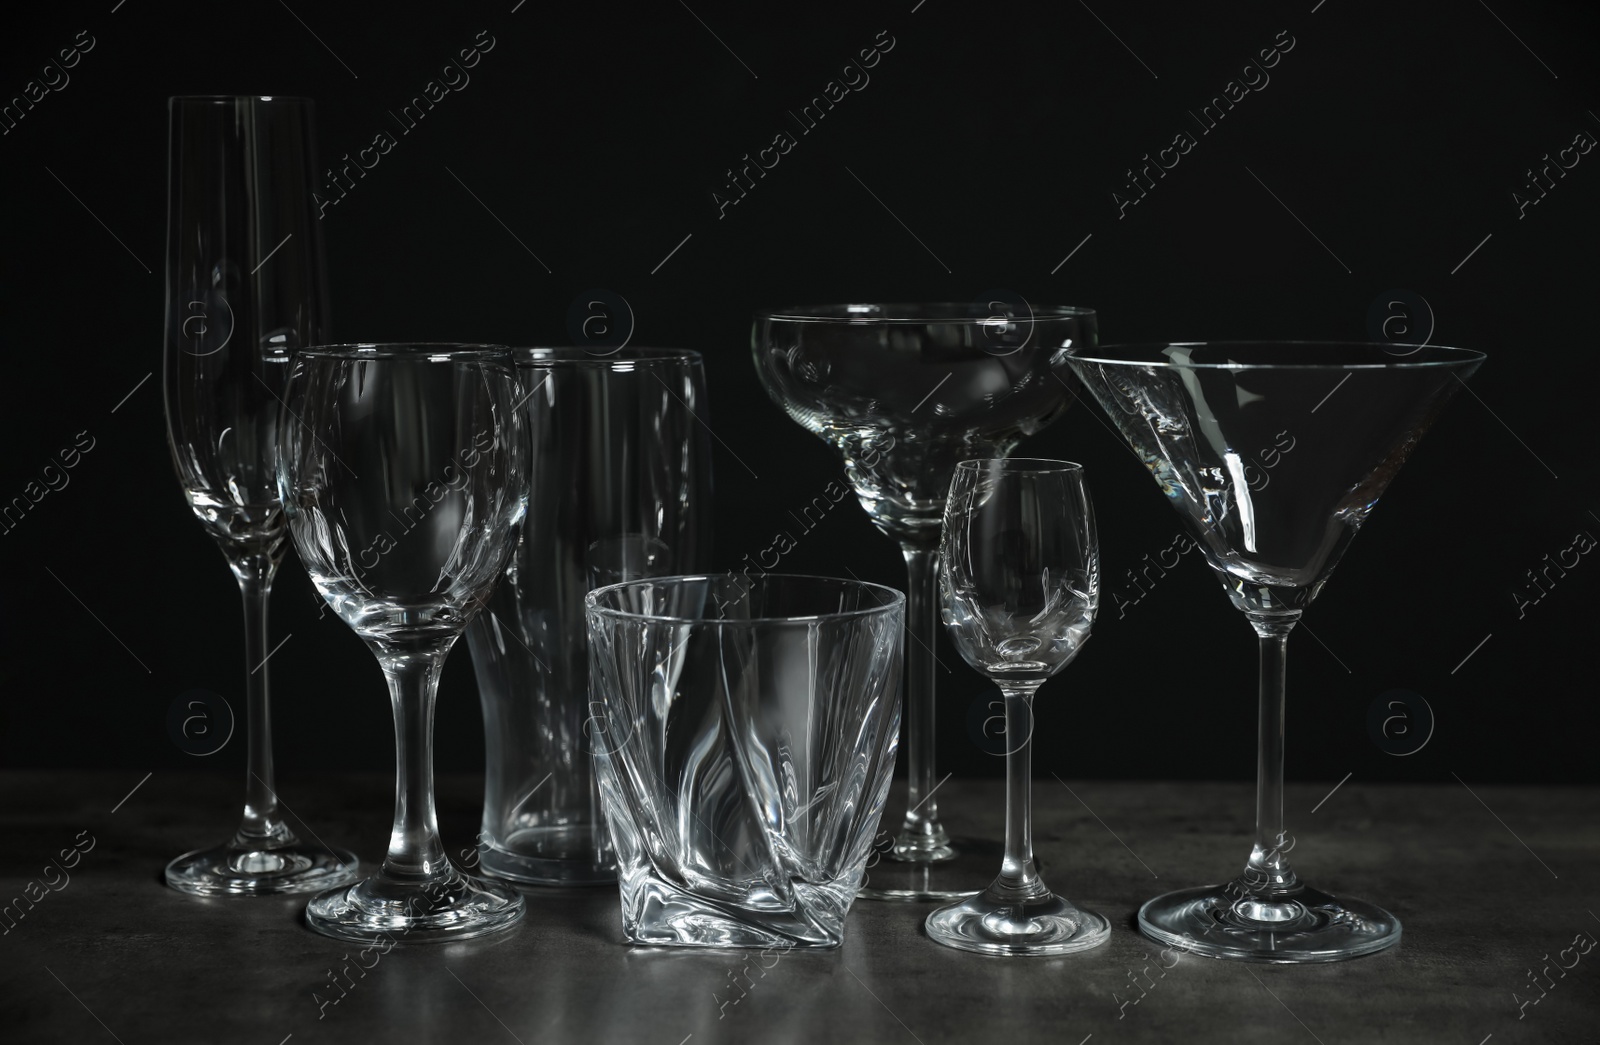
(1019, 880)
(1268, 874)
(261, 827)
(922, 837)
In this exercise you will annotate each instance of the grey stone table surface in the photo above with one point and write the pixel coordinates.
(107, 953)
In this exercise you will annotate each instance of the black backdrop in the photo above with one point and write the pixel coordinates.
(986, 147)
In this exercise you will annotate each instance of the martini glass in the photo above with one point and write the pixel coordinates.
(1274, 454)
(903, 393)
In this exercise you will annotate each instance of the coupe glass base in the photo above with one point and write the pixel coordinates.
(1049, 926)
(952, 872)
(440, 910)
(1311, 926)
(236, 870)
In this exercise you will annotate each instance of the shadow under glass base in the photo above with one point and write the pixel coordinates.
(953, 871)
(1310, 926)
(242, 870)
(451, 907)
(1044, 927)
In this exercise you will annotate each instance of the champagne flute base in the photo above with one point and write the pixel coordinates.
(1042, 927)
(235, 870)
(436, 910)
(952, 872)
(1310, 926)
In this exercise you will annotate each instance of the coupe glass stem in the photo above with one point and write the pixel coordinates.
(922, 837)
(261, 826)
(1019, 880)
(1268, 873)
(415, 852)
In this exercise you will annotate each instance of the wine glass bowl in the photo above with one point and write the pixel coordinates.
(402, 471)
(1019, 585)
(903, 392)
(1274, 454)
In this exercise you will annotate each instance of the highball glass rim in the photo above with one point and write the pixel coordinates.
(924, 313)
(1056, 466)
(456, 351)
(896, 598)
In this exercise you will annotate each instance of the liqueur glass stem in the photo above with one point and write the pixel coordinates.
(1019, 880)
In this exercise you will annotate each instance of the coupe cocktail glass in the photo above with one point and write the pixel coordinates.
(904, 392)
(1274, 453)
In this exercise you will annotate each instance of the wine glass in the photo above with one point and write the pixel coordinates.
(244, 290)
(1019, 585)
(1274, 454)
(903, 392)
(403, 470)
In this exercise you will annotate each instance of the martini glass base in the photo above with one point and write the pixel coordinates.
(952, 872)
(1043, 927)
(1311, 926)
(433, 911)
(235, 870)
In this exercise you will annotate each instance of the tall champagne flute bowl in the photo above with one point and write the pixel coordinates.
(403, 470)
(903, 392)
(1274, 454)
(244, 290)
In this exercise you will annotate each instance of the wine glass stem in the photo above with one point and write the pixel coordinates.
(415, 852)
(1268, 872)
(1019, 880)
(922, 831)
(261, 826)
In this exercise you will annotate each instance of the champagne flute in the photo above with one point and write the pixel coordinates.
(244, 290)
(1019, 584)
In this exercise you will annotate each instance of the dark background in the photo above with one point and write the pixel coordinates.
(996, 134)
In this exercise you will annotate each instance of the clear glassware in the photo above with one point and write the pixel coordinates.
(749, 728)
(1019, 586)
(244, 290)
(1274, 453)
(403, 470)
(619, 488)
(903, 392)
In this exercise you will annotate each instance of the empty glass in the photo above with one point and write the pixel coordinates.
(619, 488)
(748, 728)
(1274, 454)
(245, 289)
(903, 392)
(1019, 585)
(403, 474)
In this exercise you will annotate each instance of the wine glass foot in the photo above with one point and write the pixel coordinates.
(989, 926)
(235, 870)
(1310, 926)
(437, 910)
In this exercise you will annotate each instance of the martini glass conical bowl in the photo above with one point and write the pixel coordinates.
(1274, 454)
(903, 392)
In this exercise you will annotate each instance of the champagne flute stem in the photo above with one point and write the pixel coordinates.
(921, 836)
(1019, 880)
(261, 826)
(415, 852)
(1268, 872)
